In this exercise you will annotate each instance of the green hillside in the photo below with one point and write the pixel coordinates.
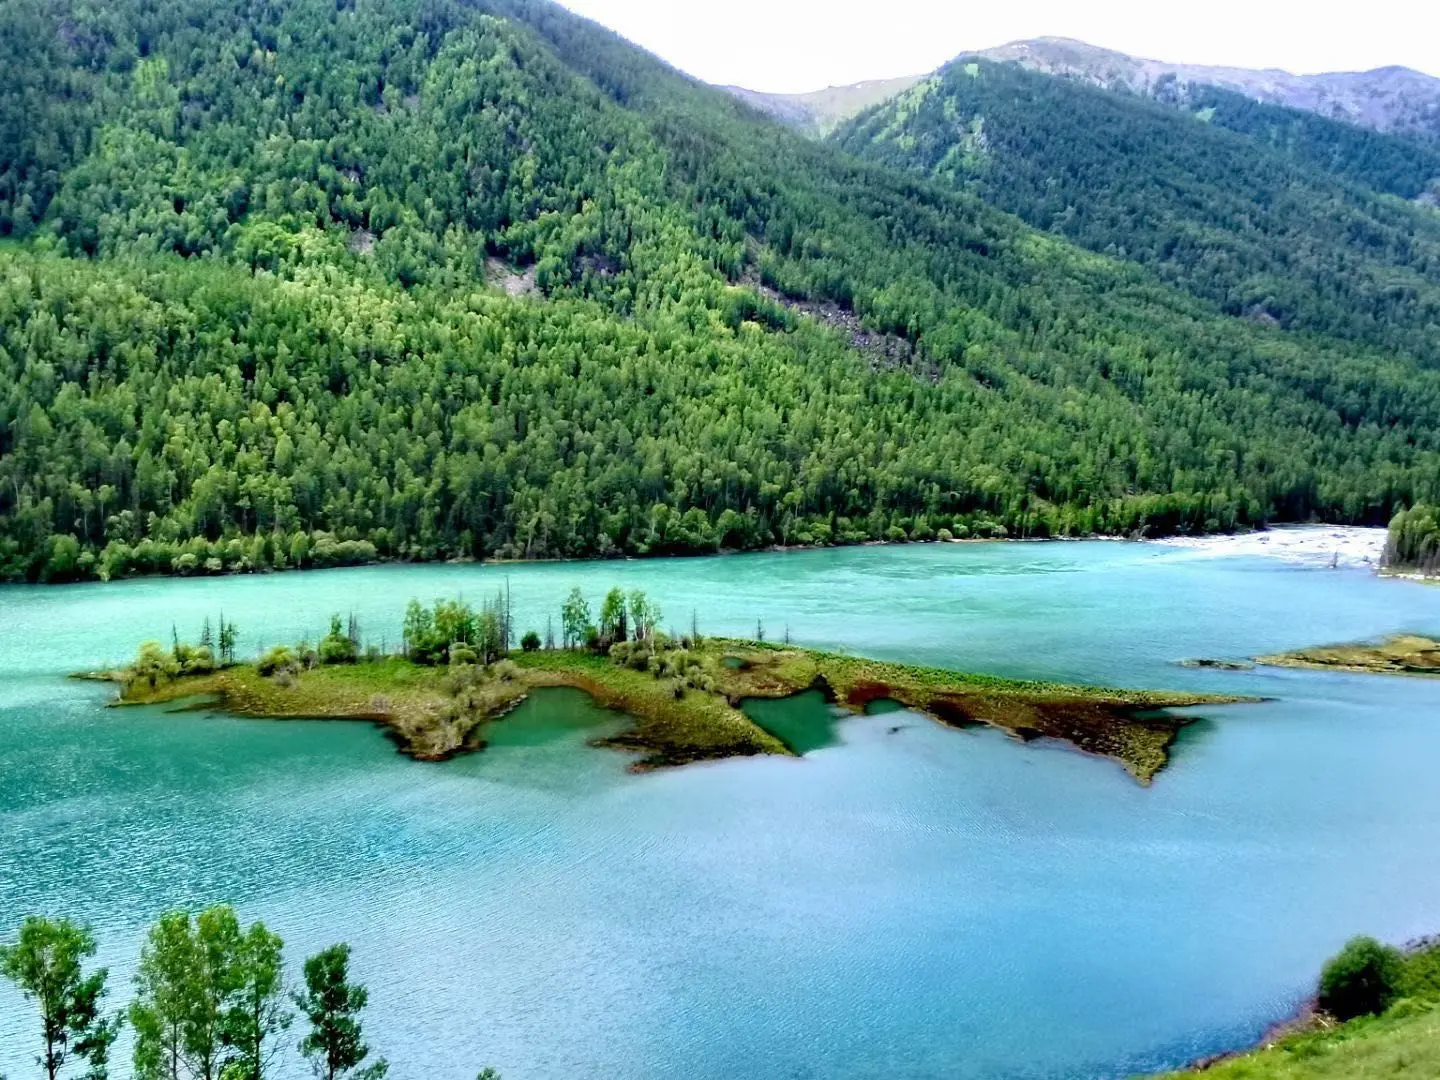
(1388, 164)
(308, 282)
(1285, 223)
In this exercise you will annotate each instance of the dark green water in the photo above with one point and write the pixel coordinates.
(906, 900)
(805, 723)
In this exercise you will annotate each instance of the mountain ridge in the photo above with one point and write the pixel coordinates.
(819, 112)
(1392, 98)
(1271, 213)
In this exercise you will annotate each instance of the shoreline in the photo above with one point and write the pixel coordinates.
(1307, 1020)
(1304, 1019)
(1320, 546)
(1331, 546)
(433, 714)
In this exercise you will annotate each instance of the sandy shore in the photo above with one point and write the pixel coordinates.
(1315, 545)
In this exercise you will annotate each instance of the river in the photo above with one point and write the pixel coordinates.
(910, 901)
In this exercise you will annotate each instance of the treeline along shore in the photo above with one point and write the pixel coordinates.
(459, 670)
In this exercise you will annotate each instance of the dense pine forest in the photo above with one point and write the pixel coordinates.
(1270, 214)
(303, 283)
(1414, 542)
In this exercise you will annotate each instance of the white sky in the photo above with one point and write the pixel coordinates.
(790, 46)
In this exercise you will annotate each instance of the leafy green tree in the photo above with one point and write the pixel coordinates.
(1362, 979)
(645, 615)
(430, 633)
(209, 999)
(613, 616)
(338, 646)
(279, 659)
(163, 996)
(153, 665)
(492, 629)
(1413, 543)
(530, 642)
(46, 963)
(215, 977)
(574, 619)
(332, 1004)
(258, 1013)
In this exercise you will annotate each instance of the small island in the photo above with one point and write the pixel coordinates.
(1407, 654)
(683, 694)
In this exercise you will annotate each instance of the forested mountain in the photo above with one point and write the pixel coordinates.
(1388, 164)
(1278, 223)
(298, 282)
(1393, 99)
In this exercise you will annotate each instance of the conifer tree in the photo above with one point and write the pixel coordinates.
(332, 1004)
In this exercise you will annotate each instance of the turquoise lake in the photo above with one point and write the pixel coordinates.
(908, 901)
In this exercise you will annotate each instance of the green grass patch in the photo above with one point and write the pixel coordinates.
(1404, 1044)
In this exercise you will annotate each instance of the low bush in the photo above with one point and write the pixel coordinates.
(1363, 979)
(278, 660)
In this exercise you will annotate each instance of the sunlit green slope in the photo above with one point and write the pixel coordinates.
(435, 279)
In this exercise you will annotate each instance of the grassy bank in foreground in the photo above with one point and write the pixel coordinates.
(1395, 1035)
(683, 697)
(1402, 1046)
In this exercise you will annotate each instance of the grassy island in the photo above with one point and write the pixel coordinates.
(682, 694)
(1408, 654)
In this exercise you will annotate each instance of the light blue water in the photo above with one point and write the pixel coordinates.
(920, 902)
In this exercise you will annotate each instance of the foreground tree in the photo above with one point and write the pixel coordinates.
(332, 1005)
(46, 963)
(163, 992)
(209, 999)
(258, 1012)
(214, 979)
(1363, 979)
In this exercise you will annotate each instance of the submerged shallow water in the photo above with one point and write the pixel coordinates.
(906, 900)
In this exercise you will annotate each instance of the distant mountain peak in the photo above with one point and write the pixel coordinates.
(1393, 99)
(821, 111)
